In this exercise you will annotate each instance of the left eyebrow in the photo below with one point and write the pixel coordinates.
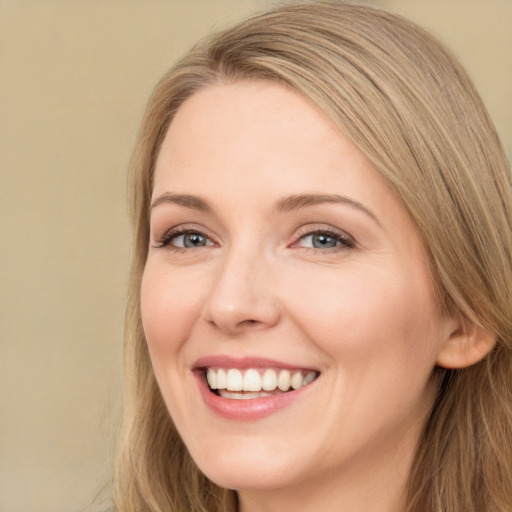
(298, 202)
(186, 200)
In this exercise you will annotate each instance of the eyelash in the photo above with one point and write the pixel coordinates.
(345, 241)
(172, 234)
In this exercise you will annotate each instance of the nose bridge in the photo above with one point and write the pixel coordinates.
(242, 294)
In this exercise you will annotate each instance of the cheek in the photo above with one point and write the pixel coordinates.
(380, 330)
(169, 308)
(367, 316)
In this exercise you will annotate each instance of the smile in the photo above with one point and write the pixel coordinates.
(251, 388)
(251, 383)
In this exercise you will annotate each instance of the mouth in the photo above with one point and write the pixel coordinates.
(252, 383)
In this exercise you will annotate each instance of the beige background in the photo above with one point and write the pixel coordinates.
(74, 79)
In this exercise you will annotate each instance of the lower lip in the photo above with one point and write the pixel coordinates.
(247, 410)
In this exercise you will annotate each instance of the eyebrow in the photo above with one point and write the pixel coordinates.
(298, 202)
(187, 200)
(287, 204)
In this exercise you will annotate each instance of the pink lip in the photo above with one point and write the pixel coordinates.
(244, 410)
(244, 363)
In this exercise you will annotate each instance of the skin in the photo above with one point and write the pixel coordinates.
(364, 314)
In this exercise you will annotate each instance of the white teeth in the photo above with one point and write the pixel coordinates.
(283, 381)
(256, 383)
(211, 377)
(221, 379)
(234, 380)
(269, 380)
(252, 381)
(242, 396)
(296, 380)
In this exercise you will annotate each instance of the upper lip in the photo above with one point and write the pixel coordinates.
(244, 363)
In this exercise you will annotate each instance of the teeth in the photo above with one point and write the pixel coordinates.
(269, 380)
(242, 396)
(221, 378)
(211, 377)
(310, 377)
(234, 380)
(283, 381)
(255, 382)
(252, 381)
(296, 380)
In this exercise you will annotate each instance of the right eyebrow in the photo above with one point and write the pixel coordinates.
(298, 202)
(189, 201)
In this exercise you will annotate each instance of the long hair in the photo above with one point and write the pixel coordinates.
(408, 105)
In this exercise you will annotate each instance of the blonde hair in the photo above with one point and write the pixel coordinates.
(411, 109)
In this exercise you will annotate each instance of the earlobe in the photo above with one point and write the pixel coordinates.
(467, 345)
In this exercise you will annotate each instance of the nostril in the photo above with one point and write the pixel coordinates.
(248, 323)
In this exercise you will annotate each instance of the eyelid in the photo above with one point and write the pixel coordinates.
(182, 229)
(346, 239)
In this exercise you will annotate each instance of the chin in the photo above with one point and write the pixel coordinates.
(243, 471)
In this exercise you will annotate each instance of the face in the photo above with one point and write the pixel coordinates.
(283, 268)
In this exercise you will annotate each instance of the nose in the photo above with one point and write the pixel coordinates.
(242, 295)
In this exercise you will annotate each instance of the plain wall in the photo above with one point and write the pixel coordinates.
(74, 77)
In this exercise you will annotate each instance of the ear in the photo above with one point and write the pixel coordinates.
(467, 344)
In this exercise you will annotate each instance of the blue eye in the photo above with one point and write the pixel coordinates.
(185, 240)
(190, 240)
(324, 240)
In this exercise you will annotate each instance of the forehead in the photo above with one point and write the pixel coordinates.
(254, 130)
(254, 142)
(231, 117)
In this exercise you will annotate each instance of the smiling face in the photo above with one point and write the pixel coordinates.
(281, 263)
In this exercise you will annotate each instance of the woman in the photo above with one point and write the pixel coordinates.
(321, 289)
